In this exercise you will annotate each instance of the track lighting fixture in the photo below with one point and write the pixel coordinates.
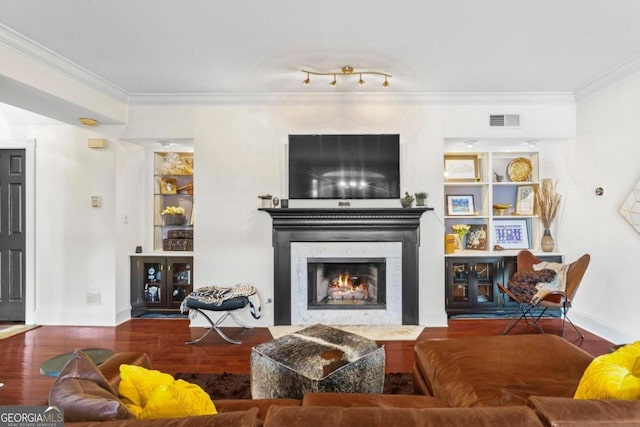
(347, 70)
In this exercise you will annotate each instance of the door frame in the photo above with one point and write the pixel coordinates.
(29, 145)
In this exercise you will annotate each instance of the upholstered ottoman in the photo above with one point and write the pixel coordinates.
(317, 358)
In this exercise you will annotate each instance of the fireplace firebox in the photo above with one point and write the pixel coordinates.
(346, 283)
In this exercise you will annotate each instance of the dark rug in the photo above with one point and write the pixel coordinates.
(238, 386)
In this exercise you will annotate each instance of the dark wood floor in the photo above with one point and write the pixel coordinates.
(164, 341)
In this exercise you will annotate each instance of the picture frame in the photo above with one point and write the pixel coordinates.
(525, 200)
(511, 234)
(460, 204)
(461, 168)
(168, 186)
(477, 237)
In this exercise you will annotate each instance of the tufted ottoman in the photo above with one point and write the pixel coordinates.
(319, 359)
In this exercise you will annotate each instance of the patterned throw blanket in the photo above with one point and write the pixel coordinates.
(559, 282)
(215, 295)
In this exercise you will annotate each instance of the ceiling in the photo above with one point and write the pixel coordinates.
(258, 46)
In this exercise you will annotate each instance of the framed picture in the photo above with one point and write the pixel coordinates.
(168, 186)
(511, 234)
(460, 205)
(526, 200)
(461, 168)
(477, 237)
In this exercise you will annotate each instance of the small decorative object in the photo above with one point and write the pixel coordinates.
(177, 164)
(173, 215)
(275, 201)
(519, 169)
(168, 186)
(497, 177)
(501, 209)
(344, 204)
(449, 243)
(421, 198)
(460, 204)
(461, 168)
(511, 233)
(525, 200)
(547, 202)
(460, 230)
(477, 237)
(138, 249)
(284, 203)
(407, 200)
(266, 200)
(630, 206)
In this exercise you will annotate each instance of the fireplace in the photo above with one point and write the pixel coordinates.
(346, 283)
(390, 233)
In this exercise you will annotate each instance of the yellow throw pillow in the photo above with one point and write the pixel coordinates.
(150, 394)
(612, 376)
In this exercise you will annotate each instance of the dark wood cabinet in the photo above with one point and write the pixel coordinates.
(471, 283)
(159, 283)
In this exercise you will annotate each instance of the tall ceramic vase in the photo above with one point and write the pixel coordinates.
(547, 242)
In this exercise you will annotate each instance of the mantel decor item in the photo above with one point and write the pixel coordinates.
(267, 201)
(407, 200)
(547, 201)
(421, 198)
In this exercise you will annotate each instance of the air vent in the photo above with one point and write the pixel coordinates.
(504, 120)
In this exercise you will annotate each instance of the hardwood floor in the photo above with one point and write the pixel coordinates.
(164, 341)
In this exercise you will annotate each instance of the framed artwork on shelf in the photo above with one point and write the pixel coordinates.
(511, 234)
(460, 204)
(525, 200)
(459, 168)
(477, 237)
(168, 186)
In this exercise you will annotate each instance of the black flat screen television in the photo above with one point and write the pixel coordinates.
(344, 166)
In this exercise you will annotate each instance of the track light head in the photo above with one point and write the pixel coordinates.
(361, 82)
(385, 84)
(334, 82)
(307, 81)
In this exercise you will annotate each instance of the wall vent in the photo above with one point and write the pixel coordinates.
(504, 120)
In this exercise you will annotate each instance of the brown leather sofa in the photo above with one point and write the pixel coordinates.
(480, 381)
(540, 372)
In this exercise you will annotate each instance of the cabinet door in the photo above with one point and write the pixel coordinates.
(179, 280)
(459, 283)
(153, 292)
(485, 288)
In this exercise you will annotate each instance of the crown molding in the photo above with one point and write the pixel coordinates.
(42, 55)
(315, 98)
(632, 66)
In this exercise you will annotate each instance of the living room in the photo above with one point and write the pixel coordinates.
(78, 255)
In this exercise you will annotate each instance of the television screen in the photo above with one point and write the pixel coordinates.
(344, 166)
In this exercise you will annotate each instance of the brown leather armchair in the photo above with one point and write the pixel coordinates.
(554, 299)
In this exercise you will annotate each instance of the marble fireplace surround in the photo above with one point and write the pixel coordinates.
(345, 225)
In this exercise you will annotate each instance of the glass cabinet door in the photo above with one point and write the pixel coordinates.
(153, 283)
(484, 277)
(181, 280)
(460, 288)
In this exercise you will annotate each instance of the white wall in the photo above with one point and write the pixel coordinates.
(605, 153)
(239, 153)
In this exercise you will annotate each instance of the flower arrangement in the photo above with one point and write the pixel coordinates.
(407, 200)
(460, 230)
(547, 201)
(173, 210)
(265, 196)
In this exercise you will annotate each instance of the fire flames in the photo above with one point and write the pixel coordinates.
(346, 287)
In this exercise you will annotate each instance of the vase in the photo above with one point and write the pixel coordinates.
(458, 242)
(547, 242)
(267, 203)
